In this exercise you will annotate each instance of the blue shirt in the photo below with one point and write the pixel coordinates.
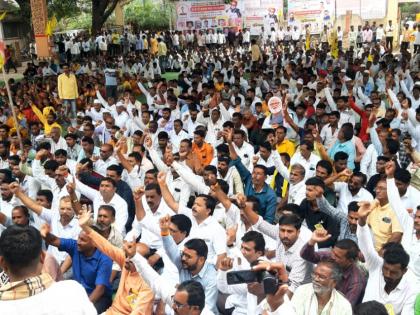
(88, 271)
(347, 147)
(207, 275)
(266, 197)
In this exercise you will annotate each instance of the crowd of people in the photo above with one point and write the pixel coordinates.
(257, 176)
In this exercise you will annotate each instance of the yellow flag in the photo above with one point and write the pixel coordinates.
(1, 61)
(3, 15)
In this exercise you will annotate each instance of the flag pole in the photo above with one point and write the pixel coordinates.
(12, 108)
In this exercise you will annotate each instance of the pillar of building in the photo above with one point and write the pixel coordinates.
(39, 21)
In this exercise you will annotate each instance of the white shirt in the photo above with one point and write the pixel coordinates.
(299, 270)
(309, 165)
(345, 196)
(71, 230)
(402, 298)
(157, 283)
(304, 301)
(246, 152)
(177, 138)
(210, 231)
(119, 204)
(100, 165)
(368, 162)
(60, 144)
(328, 136)
(409, 239)
(53, 300)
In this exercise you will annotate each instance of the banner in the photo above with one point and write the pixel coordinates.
(266, 13)
(314, 13)
(366, 9)
(200, 15)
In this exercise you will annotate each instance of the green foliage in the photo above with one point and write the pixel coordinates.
(409, 9)
(146, 15)
(82, 21)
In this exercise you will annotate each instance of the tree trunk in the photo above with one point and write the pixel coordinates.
(101, 10)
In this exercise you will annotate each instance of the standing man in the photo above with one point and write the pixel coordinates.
(67, 89)
(389, 33)
(162, 51)
(406, 33)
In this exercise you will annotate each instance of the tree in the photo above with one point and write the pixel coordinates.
(148, 16)
(101, 10)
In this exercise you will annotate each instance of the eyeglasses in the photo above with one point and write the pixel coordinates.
(176, 305)
(320, 277)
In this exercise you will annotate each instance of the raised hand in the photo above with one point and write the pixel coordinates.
(346, 172)
(241, 198)
(14, 187)
(390, 169)
(365, 208)
(85, 218)
(71, 187)
(130, 248)
(161, 178)
(255, 159)
(231, 234)
(319, 235)
(148, 142)
(45, 229)
(164, 223)
(138, 193)
(226, 264)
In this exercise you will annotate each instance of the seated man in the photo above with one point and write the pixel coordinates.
(189, 294)
(91, 268)
(389, 280)
(30, 290)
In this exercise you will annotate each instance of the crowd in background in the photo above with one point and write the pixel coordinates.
(214, 172)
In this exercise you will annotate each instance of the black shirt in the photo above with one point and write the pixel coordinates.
(313, 217)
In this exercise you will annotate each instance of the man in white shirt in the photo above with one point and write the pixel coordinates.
(389, 35)
(390, 282)
(62, 220)
(380, 33)
(177, 134)
(204, 226)
(306, 158)
(329, 132)
(244, 150)
(188, 293)
(106, 195)
(351, 191)
(240, 299)
(411, 236)
(106, 159)
(22, 259)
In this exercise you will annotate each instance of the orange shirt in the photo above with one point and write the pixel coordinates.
(134, 296)
(204, 154)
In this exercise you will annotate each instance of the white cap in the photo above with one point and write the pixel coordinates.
(343, 70)
(80, 114)
(119, 104)
(363, 65)
(347, 79)
(366, 71)
(96, 101)
(299, 81)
